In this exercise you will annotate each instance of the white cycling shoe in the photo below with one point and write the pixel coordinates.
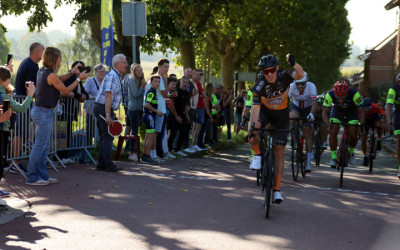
(256, 163)
(278, 198)
(352, 160)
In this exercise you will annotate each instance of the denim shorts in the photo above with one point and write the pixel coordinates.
(200, 116)
(159, 122)
(238, 118)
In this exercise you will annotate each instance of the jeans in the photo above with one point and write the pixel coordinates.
(135, 116)
(200, 140)
(106, 140)
(160, 135)
(37, 167)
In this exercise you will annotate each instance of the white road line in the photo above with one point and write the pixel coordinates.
(180, 176)
(350, 191)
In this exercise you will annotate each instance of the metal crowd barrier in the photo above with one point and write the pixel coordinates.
(73, 132)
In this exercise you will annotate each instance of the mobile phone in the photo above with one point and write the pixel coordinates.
(6, 105)
(9, 57)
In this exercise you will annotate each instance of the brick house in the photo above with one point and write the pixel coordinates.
(379, 65)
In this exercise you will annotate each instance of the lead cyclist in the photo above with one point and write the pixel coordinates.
(270, 105)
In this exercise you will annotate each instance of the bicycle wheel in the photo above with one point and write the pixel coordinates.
(301, 162)
(295, 163)
(258, 177)
(318, 151)
(343, 158)
(371, 153)
(269, 172)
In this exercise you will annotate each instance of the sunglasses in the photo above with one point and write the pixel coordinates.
(301, 84)
(269, 70)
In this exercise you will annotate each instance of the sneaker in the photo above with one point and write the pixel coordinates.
(278, 198)
(333, 163)
(181, 153)
(165, 158)
(308, 167)
(4, 194)
(156, 159)
(324, 145)
(133, 157)
(52, 180)
(378, 145)
(365, 161)
(189, 150)
(171, 156)
(352, 160)
(38, 183)
(2, 202)
(256, 163)
(197, 148)
(147, 159)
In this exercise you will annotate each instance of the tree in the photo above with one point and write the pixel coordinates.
(5, 46)
(25, 41)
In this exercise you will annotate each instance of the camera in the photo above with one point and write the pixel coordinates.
(81, 69)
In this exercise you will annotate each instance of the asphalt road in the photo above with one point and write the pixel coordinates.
(207, 203)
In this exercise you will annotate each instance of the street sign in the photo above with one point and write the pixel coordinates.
(246, 76)
(134, 21)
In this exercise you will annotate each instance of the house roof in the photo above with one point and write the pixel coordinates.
(390, 5)
(367, 53)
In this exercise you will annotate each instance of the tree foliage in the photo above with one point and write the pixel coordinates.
(5, 47)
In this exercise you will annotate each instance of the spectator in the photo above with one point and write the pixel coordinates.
(179, 117)
(160, 122)
(48, 87)
(197, 103)
(136, 87)
(172, 91)
(27, 72)
(71, 105)
(107, 100)
(208, 119)
(150, 111)
(92, 86)
(227, 112)
(192, 111)
(3, 141)
(239, 106)
(125, 100)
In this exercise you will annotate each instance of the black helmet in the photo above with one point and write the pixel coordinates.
(267, 61)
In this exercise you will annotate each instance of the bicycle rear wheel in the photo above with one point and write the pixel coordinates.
(295, 163)
(318, 151)
(301, 162)
(371, 153)
(343, 158)
(258, 177)
(269, 174)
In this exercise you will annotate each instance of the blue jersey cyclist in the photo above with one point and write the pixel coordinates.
(393, 118)
(347, 108)
(304, 105)
(270, 105)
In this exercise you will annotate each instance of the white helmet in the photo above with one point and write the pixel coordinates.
(302, 80)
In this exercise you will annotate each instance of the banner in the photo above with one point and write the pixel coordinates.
(107, 34)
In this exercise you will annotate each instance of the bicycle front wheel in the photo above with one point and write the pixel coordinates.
(371, 154)
(343, 159)
(318, 151)
(295, 163)
(269, 171)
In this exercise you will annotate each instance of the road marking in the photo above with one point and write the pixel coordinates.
(350, 191)
(180, 176)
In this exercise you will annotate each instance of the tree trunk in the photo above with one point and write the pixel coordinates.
(227, 69)
(187, 54)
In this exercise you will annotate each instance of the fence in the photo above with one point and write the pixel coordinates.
(73, 133)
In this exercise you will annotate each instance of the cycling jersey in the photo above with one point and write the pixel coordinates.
(303, 99)
(393, 96)
(273, 96)
(249, 99)
(353, 100)
(375, 109)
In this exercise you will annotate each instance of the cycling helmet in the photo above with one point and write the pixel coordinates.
(341, 88)
(398, 78)
(268, 61)
(367, 103)
(304, 79)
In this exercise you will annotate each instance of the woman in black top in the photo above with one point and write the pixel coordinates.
(48, 88)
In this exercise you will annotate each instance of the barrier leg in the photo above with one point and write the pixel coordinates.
(121, 140)
(60, 161)
(91, 158)
(51, 163)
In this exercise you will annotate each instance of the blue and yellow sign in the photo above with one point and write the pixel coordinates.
(107, 33)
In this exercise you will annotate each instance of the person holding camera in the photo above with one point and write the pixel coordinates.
(72, 102)
(9, 104)
(47, 94)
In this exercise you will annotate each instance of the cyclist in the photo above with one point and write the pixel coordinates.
(347, 107)
(373, 117)
(393, 99)
(270, 105)
(304, 104)
(318, 117)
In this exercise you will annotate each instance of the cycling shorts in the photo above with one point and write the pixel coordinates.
(338, 115)
(278, 119)
(303, 113)
(149, 121)
(396, 123)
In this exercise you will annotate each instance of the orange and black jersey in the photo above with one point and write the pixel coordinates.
(273, 96)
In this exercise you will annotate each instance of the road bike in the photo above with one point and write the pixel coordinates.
(298, 157)
(343, 152)
(318, 150)
(266, 175)
(371, 147)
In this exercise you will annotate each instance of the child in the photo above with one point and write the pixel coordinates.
(149, 117)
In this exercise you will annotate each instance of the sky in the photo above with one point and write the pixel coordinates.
(369, 20)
